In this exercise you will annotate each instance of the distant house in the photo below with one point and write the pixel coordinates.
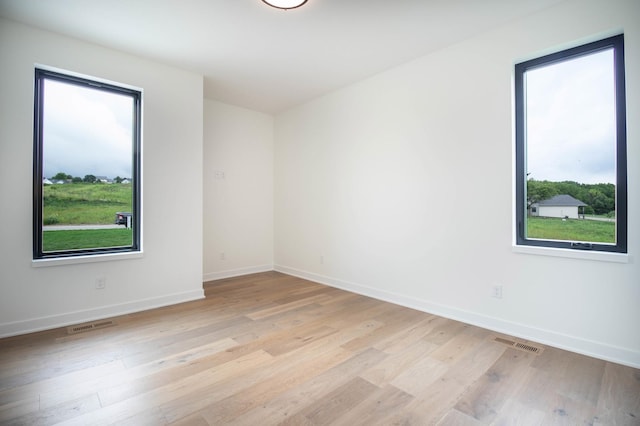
(46, 181)
(564, 206)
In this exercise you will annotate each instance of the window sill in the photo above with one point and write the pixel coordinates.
(573, 254)
(107, 257)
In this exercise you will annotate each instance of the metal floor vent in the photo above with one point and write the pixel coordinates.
(525, 347)
(81, 328)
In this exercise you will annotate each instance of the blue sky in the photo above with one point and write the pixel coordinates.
(571, 120)
(86, 131)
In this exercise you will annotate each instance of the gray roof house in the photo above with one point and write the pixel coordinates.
(563, 206)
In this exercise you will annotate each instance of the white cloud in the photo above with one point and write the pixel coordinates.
(571, 120)
(86, 131)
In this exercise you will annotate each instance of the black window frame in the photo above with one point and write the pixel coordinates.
(42, 74)
(617, 44)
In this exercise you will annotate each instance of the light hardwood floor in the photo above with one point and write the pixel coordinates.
(270, 349)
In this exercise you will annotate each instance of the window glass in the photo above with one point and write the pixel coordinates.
(86, 166)
(571, 149)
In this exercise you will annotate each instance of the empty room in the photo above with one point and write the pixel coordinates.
(337, 212)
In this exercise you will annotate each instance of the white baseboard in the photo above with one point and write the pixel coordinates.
(78, 317)
(547, 337)
(230, 273)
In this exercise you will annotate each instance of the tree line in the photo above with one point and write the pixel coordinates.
(85, 179)
(600, 197)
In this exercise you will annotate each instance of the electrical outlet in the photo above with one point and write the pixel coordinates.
(496, 291)
(222, 256)
(101, 283)
(322, 260)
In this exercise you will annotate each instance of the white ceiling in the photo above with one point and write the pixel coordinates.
(266, 59)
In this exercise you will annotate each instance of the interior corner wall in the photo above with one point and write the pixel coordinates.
(170, 270)
(400, 187)
(238, 191)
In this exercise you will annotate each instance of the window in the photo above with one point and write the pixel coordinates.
(86, 174)
(571, 168)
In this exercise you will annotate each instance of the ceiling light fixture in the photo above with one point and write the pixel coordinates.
(285, 4)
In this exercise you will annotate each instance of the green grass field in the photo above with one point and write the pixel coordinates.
(85, 239)
(571, 230)
(85, 203)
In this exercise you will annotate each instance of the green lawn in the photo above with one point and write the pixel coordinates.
(84, 203)
(571, 230)
(85, 239)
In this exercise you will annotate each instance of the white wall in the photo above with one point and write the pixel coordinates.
(378, 189)
(557, 211)
(238, 191)
(171, 269)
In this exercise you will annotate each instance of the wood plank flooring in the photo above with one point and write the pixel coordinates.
(271, 349)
